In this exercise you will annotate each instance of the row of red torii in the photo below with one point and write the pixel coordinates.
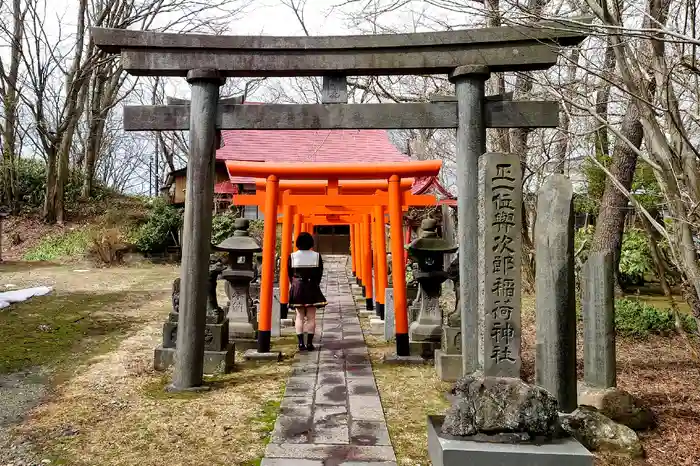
(359, 195)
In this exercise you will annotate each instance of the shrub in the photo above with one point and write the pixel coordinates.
(635, 256)
(638, 319)
(107, 245)
(222, 226)
(63, 245)
(162, 224)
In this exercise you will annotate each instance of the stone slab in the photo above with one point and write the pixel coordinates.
(332, 454)
(366, 314)
(331, 394)
(216, 336)
(290, 462)
(448, 366)
(362, 386)
(457, 452)
(292, 429)
(253, 355)
(215, 362)
(365, 408)
(331, 425)
(369, 433)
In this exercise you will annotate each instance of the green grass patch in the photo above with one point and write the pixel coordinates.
(50, 329)
(265, 421)
(69, 244)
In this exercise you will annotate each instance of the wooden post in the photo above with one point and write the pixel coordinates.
(367, 265)
(380, 265)
(471, 144)
(352, 249)
(297, 230)
(375, 273)
(398, 266)
(189, 363)
(286, 249)
(406, 240)
(268, 265)
(360, 255)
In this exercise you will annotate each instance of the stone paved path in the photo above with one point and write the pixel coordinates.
(331, 414)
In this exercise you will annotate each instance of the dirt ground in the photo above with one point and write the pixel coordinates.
(660, 371)
(104, 403)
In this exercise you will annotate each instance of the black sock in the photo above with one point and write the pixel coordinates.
(309, 339)
(300, 337)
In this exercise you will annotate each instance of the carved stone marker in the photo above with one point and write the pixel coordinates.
(555, 363)
(598, 309)
(499, 243)
(335, 89)
(389, 314)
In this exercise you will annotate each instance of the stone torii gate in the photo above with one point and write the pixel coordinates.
(467, 56)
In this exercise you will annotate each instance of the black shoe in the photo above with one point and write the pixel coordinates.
(310, 346)
(300, 337)
(302, 347)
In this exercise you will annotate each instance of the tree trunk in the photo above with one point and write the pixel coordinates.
(9, 94)
(51, 178)
(610, 224)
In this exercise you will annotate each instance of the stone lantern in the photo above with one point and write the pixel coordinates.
(429, 251)
(238, 274)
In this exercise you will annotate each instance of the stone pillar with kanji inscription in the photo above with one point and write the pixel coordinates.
(499, 242)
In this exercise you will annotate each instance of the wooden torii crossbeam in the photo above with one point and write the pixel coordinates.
(467, 56)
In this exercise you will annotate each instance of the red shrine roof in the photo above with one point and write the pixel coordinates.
(309, 146)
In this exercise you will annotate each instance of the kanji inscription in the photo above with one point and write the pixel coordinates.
(502, 249)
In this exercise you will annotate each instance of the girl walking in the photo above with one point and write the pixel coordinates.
(305, 272)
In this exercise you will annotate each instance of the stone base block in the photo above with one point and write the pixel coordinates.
(376, 327)
(253, 355)
(241, 330)
(287, 322)
(424, 349)
(215, 362)
(287, 331)
(445, 450)
(367, 314)
(245, 343)
(448, 366)
(216, 336)
(169, 334)
(393, 358)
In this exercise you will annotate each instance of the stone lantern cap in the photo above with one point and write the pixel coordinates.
(429, 241)
(241, 241)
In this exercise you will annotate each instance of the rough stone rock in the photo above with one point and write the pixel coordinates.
(494, 405)
(618, 405)
(600, 433)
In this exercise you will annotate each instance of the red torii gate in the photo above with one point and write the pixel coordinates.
(393, 173)
(295, 202)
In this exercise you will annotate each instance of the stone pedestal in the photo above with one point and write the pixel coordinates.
(446, 450)
(425, 333)
(376, 326)
(219, 354)
(448, 359)
(241, 313)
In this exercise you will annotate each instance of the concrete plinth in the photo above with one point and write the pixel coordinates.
(287, 322)
(448, 366)
(376, 327)
(245, 343)
(253, 355)
(393, 358)
(445, 450)
(424, 349)
(367, 314)
(215, 362)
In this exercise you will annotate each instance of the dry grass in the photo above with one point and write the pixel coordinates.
(111, 408)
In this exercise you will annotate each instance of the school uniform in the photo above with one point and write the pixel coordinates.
(305, 270)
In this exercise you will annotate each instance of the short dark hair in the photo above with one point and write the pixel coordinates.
(305, 241)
